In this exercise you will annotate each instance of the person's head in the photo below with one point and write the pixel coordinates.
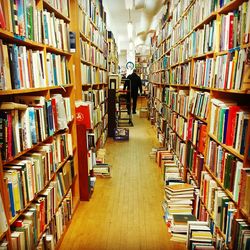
(135, 71)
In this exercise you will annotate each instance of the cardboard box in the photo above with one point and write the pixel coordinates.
(143, 113)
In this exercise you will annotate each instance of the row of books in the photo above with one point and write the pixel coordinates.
(177, 145)
(3, 218)
(92, 55)
(231, 70)
(23, 126)
(226, 167)
(91, 33)
(55, 31)
(97, 96)
(61, 5)
(30, 231)
(229, 123)
(92, 75)
(181, 74)
(94, 10)
(203, 73)
(199, 102)
(197, 134)
(24, 68)
(24, 20)
(27, 176)
(177, 102)
(218, 203)
(194, 163)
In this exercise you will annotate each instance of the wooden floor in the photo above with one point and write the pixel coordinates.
(125, 211)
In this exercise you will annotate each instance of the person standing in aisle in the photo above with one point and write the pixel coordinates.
(136, 84)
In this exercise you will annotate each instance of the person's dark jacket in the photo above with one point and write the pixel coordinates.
(135, 84)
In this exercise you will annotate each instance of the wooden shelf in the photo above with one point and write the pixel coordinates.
(211, 53)
(200, 87)
(208, 19)
(57, 51)
(230, 6)
(198, 118)
(232, 91)
(228, 148)
(179, 85)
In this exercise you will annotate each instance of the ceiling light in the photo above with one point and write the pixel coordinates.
(130, 30)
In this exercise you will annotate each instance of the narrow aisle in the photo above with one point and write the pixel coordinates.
(125, 211)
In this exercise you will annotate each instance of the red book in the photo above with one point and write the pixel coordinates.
(2, 18)
(231, 124)
(190, 128)
(194, 162)
(83, 116)
(9, 136)
(54, 111)
(230, 33)
(202, 139)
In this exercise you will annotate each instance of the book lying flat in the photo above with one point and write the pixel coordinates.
(180, 187)
(182, 219)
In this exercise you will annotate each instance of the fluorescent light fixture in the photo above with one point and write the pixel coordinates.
(130, 30)
(129, 4)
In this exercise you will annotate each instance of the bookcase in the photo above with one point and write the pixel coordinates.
(113, 54)
(141, 64)
(41, 78)
(200, 105)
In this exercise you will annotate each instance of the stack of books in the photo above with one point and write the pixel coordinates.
(199, 236)
(179, 226)
(178, 200)
(102, 169)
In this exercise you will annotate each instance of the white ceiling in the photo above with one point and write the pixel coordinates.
(143, 17)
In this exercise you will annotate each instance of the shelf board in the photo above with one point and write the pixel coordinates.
(199, 118)
(193, 177)
(230, 6)
(32, 90)
(245, 215)
(200, 87)
(2, 235)
(232, 91)
(20, 40)
(228, 148)
(57, 51)
(58, 14)
(211, 53)
(180, 85)
(83, 36)
(206, 20)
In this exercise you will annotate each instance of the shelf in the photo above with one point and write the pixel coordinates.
(58, 14)
(199, 118)
(211, 53)
(206, 20)
(194, 178)
(232, 91)
(20, 40)
(83, 36)
(33, 90)
(179, 85)
(57, 51)
(200, 87)
(2, 235)
(230, 6)
(228, 148)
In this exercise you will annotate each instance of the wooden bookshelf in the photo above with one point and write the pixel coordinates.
(68, 16)
(180, 50)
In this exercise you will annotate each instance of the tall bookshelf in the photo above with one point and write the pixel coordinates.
(113, 54)
(51, 144)
(91, 70)
(198, 75)
(141, 64)
(49, 59)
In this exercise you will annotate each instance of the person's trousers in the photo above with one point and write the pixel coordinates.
(134, 96)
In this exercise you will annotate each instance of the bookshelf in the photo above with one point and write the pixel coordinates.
(197, 78)
(91, 68)
(40, 178)
(113, 54)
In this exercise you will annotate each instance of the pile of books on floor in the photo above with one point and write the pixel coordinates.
(199, 236)
(101, 168)
(178, 209)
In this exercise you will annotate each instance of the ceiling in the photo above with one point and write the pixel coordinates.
(144, 15)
